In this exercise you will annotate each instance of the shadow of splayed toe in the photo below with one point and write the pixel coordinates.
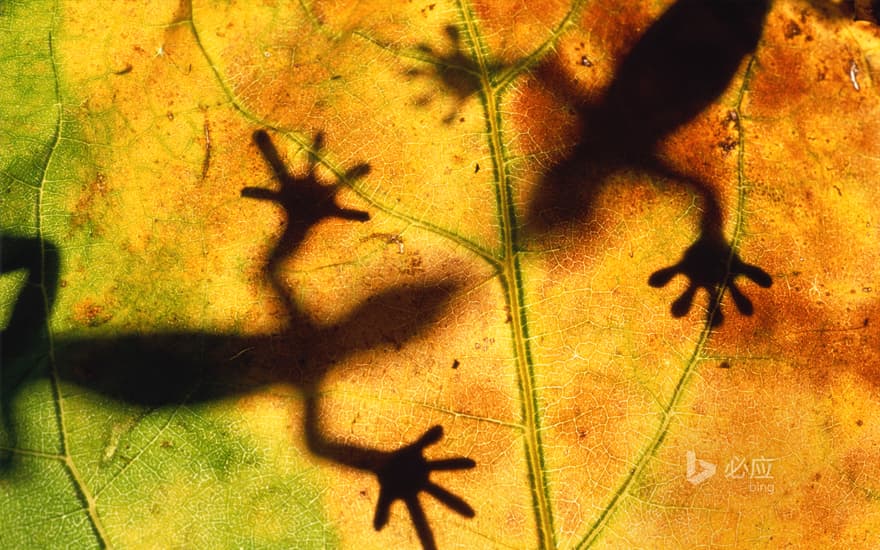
(678, 67)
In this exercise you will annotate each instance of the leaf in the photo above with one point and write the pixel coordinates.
(468, 274)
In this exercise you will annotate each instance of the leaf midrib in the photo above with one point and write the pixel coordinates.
(511, 280)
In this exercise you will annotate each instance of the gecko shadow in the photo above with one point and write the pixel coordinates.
(679, 66)
(171, 368)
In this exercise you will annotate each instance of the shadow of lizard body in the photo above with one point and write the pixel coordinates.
(681, 64)
(155, 370)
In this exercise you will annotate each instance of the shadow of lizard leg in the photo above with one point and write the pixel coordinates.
(402, 474)
(710, 263)
(40, 259)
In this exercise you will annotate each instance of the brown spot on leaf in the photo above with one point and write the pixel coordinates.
(727, 145)
(89, 198)
(412, 264)
(792, 30)
(90, 314)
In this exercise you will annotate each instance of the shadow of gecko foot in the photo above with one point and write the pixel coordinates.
(305, 200)
(457, 73)
(711, 264)
(405, 473)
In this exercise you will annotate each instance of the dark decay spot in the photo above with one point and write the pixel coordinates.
(865, 322)
(792, 30)
(91, 314)
(461, 119)
(729, 144)
(724, 365)
(455, 363)
(585, 61)
(476, 168)
(859, 422)
(335, 77)
(206, 161)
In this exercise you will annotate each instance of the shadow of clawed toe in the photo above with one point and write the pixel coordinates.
(711, 264)
(405, 473)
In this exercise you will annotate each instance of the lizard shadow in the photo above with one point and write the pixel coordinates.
(679, 66)
(155, 370)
